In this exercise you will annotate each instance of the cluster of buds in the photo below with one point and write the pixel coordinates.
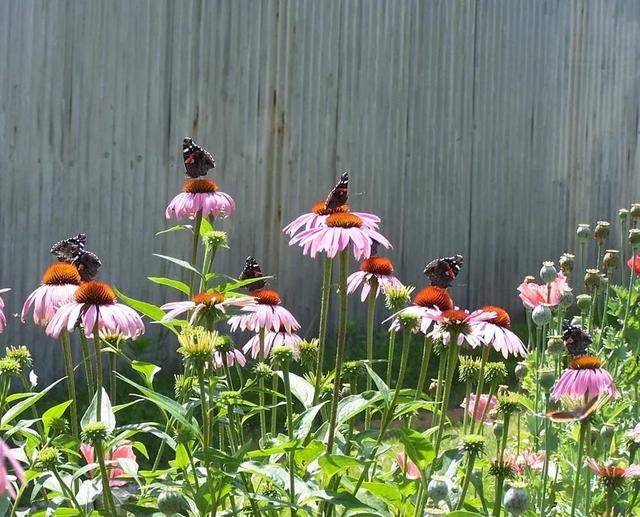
(16, 359)
(468, 369)
(308, 351)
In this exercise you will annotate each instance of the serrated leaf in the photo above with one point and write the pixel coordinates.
(170, 282)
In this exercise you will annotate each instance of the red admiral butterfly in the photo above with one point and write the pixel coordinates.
(252, 270)
(72, 251)
(578, 414)
(339, 194)
(197, 160)
(576, 340)
(443, 271)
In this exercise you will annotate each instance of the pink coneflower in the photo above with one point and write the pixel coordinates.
(5, 483)
(613, 476)
(268, 314)
(3, 319)
(480, 407)
(319, 214)
(427, 304)
(200, 195)
(339, 230)
(209, 301)
(413, 472)
(533, 294)
(634, 264)
(633, 435)
(59, 283)
(96, 301)
(461, 323)
(228, 357)
(584, 377)
(122, 452)
(378, 268)
(272, 340)
(496, 333)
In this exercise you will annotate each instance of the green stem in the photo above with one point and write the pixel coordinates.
(66, 490)
(471, 458)
(465, 416)
(480, 386)
(71, 381)
(342, 337)
(86, 359)
(322, 333)
(392, 345)
(274, 404)
(574, 498)
(292, 458)
(113, 367)
(371, 312)
(263, 416)
(194, 250)
(545, 467)
(632, 277)
(99, 380)
(442, 366)
(106, 489)
(427, 347)
(21, 490)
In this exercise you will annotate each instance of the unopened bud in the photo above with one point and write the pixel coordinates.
(583, 232)
(516, 499)
(635, 210)
(555, 345)
(528, 279)
(521, 371)
(438, 488)
(634, 237)
(566, 298)
(623, 213)
(547, 378)
(170, 501)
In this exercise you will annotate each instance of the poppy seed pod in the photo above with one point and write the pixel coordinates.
(169, 501)
(634, 237)
(547, 378)
(555, 345)
(566, 298)
(548, 272)
(635, 210)
(541, 315)
(601, 231)
(611, 260)
(521, 371)
(498, 427)
(623, 213)
(583, 232)
(584, 302)
(566, 262)
(528, 279)
(591, 279)
(438, 488)
(516, 500)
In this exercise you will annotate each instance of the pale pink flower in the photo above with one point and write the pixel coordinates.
(230, 357)
(318, 215)
(3, 319)
(268, 314)
(497, 333)
(379, 269)
(532, 460)
(200, 195)
(272, 340)
(584, 377)
(463, 324)
(113, 461)
(428, 304)
(634, 434)
(613, 475)
(533, 294)
(59, 284)
(211, 300)
(338, 232)
(413, 472)
(5, 483)
(96, 301)
(480, 407)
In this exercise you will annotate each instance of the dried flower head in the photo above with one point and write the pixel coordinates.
(623, 213)
(566, 262)
(611, 260)
(601, 231)
(591, 279)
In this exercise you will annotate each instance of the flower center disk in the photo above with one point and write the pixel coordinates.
(585, 362)
(319, 209)
(502, 318)
(61, 273)
(377, 266)
(433, 296)
(95, 293)
(266, 296)
(210, 298)
(343, 220)
(200, 186)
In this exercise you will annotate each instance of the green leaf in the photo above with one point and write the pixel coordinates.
(147, 370)
(54, 413)
(179, 262)
(333, 464)
(177, 228)
(205, 226)
(464, 513)
(388, 492)
(352, 405)
(229, 287)
(106, 412)
(300, 388)
(153, 312)
(182, 458)
(25, 404)
(170, 282)
(303, 422)
(419, 448)
(380, 384)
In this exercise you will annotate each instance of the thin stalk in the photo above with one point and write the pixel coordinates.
(574, 498)
(71, 381)
(632, 277)
(263, 416)
(106, 489)
(424, 367)
(97, 341)
(471, 458)
(371, 312)
(497, 505)
(465, 417)
(113, 368)
(392, 345)
(442, 366)
(342, 337)
(194, 250)
(292, 457)
(21, 490)
(480, 386)
(322, 333)
(274, 404)
(623, 250)
(86, 359)
(66, 490)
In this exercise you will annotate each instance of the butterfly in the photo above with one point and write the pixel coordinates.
(578, 414)
(252, 270)
(339, 194)
(197, 160)
(443, 271)
(576, 340)
(72, 251)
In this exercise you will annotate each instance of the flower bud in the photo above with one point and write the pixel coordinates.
(95, 432)
(473, 444)
(611, 260)
(541, 315)
(397, 298)
(634, 237)
(215, 239)
(433, 388)
(583, 232)
(591, 279)
(262, 371)
(584, 302)
(20, 354)
(555, 345)
(566, 298)
(498, 427)
(438, 488)
(9, 367)
(353, 369)
(548, 272)
(48, 458)
(281, 355)
(521, 371)
(409, 321)
(170, 501)
(623, 213)
(516, 499)
(495, 371)
(546, 378)
(635, 210)
(566, 262)
(308, 351)
(528, 279)
(602, 231)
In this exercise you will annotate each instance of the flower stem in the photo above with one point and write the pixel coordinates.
(545, 467)
(392, 345)
(442, 366)
(497, 504)
(480, 387)
(106, 489)
(322, 333)
(292, 458)
(274, 404)
(86, 359)
(574, 498)
(194, 250)
(99, 380)
(424, 367)
(342, 337)
(632, 277)
(71, 381)
(113, 368)
(67, 491)
(263, 416)
(371, 312)
(471, 458)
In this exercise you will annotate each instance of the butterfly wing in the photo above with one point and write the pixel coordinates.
(252, 270)
(88, 264)
(577, 414)
(339, 194)
(576, 340)
(68, 250)
(197, 160)
(443, 271)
